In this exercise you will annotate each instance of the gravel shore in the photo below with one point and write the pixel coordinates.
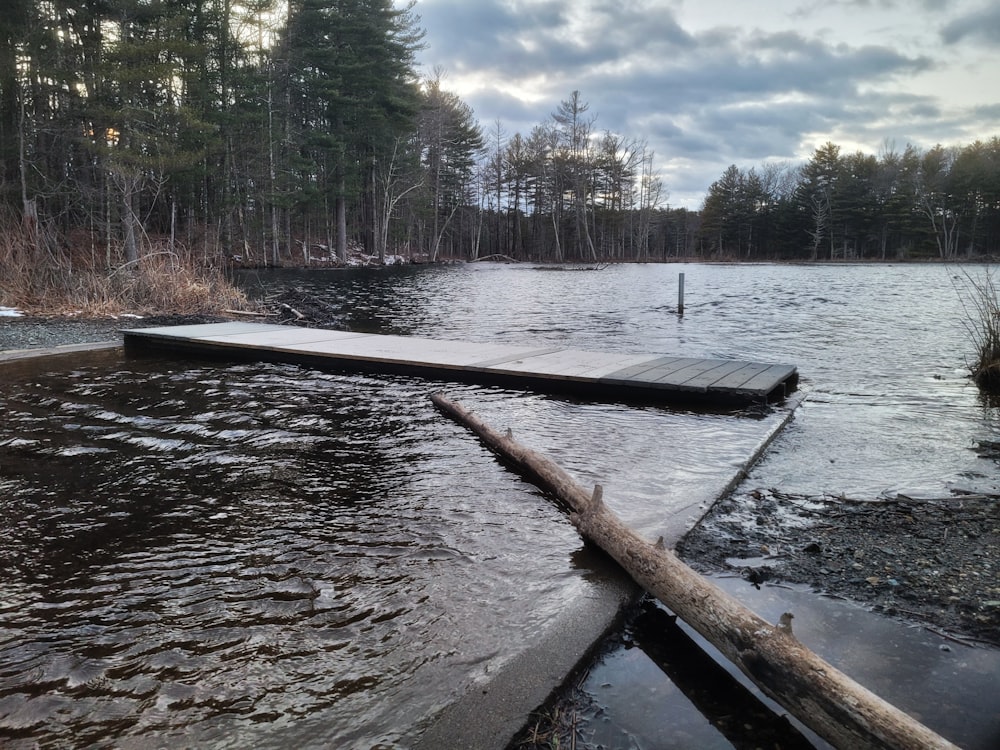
(38, 333)
(27, 332)
(935, 561)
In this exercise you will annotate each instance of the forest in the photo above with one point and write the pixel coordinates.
(265, 132)
(940, 203)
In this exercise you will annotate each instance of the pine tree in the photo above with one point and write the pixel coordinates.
(451, 140)
(351, 91)
(14, 24)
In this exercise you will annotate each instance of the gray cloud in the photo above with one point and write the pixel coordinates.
(459, 32)
(988, 112)
(982, 26)
(709, 96)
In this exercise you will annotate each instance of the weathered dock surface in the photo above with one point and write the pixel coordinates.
(646, 377)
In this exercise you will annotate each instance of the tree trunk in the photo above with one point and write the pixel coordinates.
(823, 698)
(129, 220)
(340, 206)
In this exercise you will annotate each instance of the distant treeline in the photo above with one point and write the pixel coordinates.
(943, 203)
(273, 132)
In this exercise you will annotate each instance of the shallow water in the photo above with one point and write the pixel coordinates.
(882, 350)
(241, 555)
(229, 555)
(636, 699)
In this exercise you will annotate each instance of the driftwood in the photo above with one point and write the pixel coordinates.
(248, 313)
(496, 257)
(293, 311)
(834, 706)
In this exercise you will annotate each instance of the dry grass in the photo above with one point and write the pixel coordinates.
(556, 725)
(982, 309)
(42, 275)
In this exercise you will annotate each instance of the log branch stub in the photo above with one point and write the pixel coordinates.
(837, 708)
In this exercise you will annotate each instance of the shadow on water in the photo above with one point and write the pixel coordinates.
(736, 712)
(658, 686)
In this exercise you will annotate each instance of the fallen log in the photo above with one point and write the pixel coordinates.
(249, 313)
(496, 257)
(826, 700)
(292, 310)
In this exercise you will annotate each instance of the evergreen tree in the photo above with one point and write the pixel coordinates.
(451, 140)
(817, 197)
(351, 93)
(14, 25)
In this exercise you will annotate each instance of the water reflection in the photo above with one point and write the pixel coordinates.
(738, 714)
(948, 686)
(263, 554)
(239, 555)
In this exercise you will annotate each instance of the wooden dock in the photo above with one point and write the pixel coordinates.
(645, 377)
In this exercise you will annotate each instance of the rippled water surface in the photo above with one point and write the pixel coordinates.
(247, 556)
(208, 555)
(881, 349)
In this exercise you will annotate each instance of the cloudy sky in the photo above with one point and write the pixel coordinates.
(709, 83)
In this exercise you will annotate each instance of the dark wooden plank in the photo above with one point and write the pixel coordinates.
(599, 369)
(627, 373)
(735, 380)
(598, 373)
(706, 377)
(653, 376)
(769, 377)
(683, 375)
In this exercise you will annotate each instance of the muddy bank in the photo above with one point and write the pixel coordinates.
(934, 561)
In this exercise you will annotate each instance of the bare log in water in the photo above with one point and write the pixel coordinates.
(496, 257)
(826, 700)
(248, 313)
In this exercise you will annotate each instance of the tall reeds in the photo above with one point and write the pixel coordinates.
(982, 309)
(45, 275)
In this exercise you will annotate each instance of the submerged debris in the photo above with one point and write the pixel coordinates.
(936, 561)
(297, 307)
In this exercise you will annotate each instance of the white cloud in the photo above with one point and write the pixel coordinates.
(709, 83)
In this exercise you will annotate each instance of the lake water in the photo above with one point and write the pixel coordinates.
(882, 349)
(208, 555)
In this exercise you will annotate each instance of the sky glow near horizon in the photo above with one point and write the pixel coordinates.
(709, 83)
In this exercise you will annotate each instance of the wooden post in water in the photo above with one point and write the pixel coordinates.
(680, 294)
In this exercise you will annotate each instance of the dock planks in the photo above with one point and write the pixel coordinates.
(647, 377)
